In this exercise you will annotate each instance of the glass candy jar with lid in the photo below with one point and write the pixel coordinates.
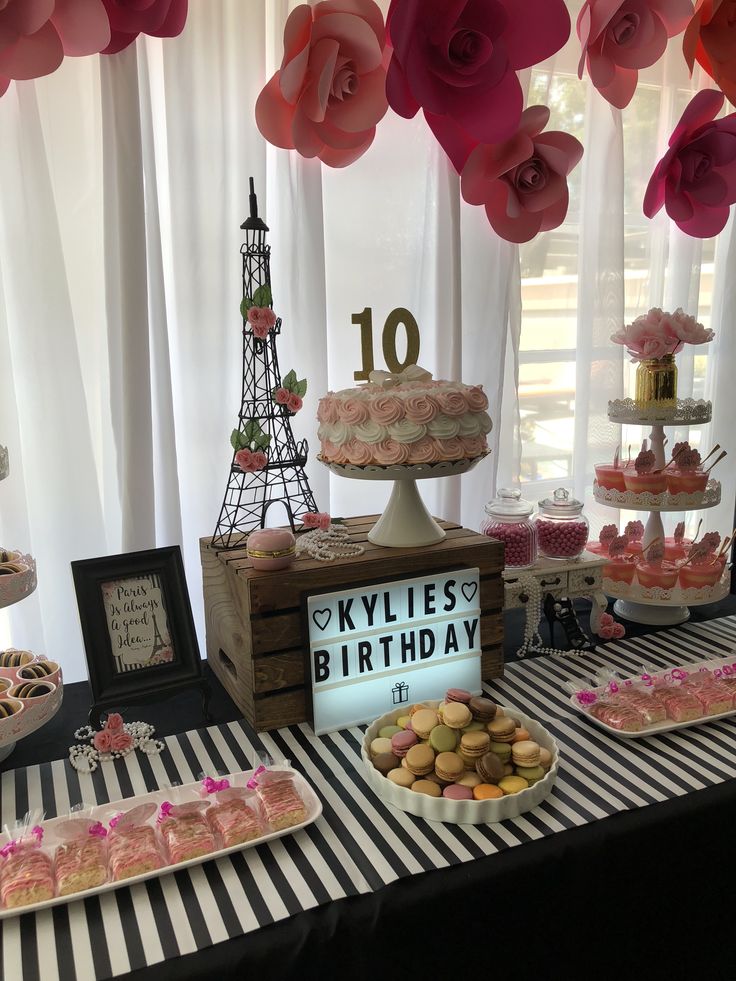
(509, 521)
(562, 528)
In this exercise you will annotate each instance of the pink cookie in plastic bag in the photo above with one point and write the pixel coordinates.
(26, 874)
(282, 804)
(682, 706)
(235, 817)
(132, 842)
(647, 703)
(185, 831)
(81, 860)
(618, 716)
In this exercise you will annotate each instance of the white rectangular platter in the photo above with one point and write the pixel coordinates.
(176, 795)
(669, 725)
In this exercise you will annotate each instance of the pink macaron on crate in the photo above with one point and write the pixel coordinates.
(460, 760)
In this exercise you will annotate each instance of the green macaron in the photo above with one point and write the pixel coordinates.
(443, 739)
(387, 731)
(502, 750)
(531, 774)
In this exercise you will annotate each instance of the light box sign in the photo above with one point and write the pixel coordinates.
(379, 647)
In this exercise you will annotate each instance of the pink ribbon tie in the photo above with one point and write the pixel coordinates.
(212, 786)
(253, 782)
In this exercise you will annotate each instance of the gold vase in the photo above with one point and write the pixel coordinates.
(656, 382)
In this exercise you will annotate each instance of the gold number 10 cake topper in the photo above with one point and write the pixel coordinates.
(398, 316)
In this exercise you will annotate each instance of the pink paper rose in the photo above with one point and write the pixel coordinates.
(262, 321)
(710, 38)
(619, 37)
(619, 631)
(258, 460)
(282, 396)
(689, 330)
(606, 633)
(121, 741)
(114, 721)
(250, 462)
(102, 740)
(294, 402)
(696, 178)
(129, 18)
(523, 182)
(457, 60)
(330, 91)
(606, 620)
(652, 335)
(36, 34)
(316, 519)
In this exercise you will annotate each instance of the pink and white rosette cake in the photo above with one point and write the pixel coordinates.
(407, 418)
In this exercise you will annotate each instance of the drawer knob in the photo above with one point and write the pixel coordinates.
(524, 597)
(589, 580)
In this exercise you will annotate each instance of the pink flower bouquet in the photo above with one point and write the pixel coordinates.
(656, 334)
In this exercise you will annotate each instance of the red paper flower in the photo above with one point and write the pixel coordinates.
(129, 18)
(523, 182)
(710, 38)
(457, 59)
(619, 37)
(36, 34)
(330, 91)
(696, 178)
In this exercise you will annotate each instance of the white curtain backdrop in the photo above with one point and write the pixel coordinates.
(123, 183)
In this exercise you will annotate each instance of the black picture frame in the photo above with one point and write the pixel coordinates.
(107, 608)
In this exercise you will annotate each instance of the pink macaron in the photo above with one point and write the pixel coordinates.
(458, 695)
(402, 742)
(457, 792)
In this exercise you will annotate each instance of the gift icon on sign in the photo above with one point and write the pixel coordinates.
(400, 692)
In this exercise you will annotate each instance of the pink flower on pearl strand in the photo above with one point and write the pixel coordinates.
(316, 519)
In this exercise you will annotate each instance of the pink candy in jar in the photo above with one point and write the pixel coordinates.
(562, 528)
(509, 522)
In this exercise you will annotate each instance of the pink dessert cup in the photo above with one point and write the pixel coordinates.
(676, 551)
(663, 575)
(699, 576)
(634, 548)
(619, 570)
(645, 483)
(686, 481)
(610, 477)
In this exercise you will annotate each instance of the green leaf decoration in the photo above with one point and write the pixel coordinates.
(301, 387)
(245, 307)
(262, 296)
(262, 441)
(235, 440)
(289, 381)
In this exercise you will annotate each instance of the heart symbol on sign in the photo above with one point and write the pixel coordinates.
(322, 618)
(469, 590)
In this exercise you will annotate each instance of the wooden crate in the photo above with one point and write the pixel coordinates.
(256, 636)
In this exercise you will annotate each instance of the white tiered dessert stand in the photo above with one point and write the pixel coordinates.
(405, 522)
(36, 712)
(656, 606)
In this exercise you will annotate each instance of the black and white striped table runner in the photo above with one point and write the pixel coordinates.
(359, 844)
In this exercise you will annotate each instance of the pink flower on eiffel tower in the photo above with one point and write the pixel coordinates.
(262, 320)
(250, 462)
(294, 402)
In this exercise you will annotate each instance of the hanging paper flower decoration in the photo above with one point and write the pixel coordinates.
(291, 392)
(620, 37)
(36, 34)
(457, 59)
(129, 18)
(710, 38)
(249, 445)
(330, 91)
(523, 182)
(696, 178)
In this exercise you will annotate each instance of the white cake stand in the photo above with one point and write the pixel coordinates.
(406, 522)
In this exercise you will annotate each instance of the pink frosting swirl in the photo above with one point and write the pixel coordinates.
(353, 411)
(423, 451)
(327, 410)
(477, 398)
(329, 450)
(385, 409)
(452, 403)
(449, 449)
(389, 452)
(474, 445)
(421, 408)
(358, 453)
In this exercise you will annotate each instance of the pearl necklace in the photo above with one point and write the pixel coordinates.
(532, 638)
(326, 546)
(85, 758)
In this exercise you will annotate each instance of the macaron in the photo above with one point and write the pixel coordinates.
(487, 791)
(483, 709)
(388, 731)
(456, 715)
(417, 707)
(457, 791)
(381, 744)
(545, 758)
(420, 760)
(490, 768)
(525, 753)
(521, 734)
(426, 787)
(449, 766)
(402, 741)
(532, 774)
(385, 763)
(402, 721)
(458, 695)
(501, 730)
(473, 745)
(401, 777)
(475, 726)
(512, 785)
(423, 722)
(507, 769)
(502, 751)
(470, 780)
(443, 739)
(435, 779)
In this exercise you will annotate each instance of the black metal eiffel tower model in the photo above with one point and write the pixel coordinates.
(283, 479)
